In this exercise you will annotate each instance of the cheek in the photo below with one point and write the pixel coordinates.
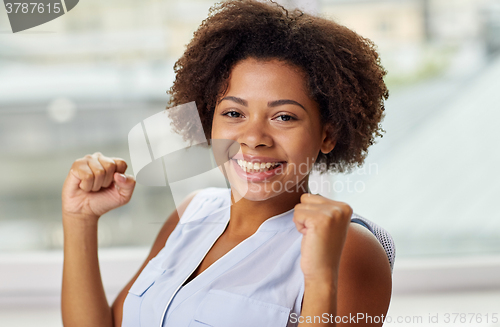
(216, 128)
(213, 133)
(304, 144)
(222, 129)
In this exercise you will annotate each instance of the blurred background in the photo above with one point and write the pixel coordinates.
(78, 84)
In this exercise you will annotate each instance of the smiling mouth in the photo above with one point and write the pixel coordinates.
(257, 167)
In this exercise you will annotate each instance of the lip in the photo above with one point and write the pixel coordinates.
(256, 177)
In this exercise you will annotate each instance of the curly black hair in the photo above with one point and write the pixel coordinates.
(344, 74)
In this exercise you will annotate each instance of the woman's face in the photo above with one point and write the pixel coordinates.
(277, 126)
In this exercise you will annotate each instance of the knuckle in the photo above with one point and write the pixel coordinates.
(77, 163)
(107, 159)
(341, 208)
(108, 166)
(335, 210)
(87, 176)
(99, 173)
(346, 208)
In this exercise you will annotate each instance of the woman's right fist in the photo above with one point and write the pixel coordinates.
(95, 185)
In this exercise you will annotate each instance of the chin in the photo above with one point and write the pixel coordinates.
(249, 191)
(256, 191)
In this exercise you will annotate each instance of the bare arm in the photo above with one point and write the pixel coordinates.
(365, 280)
(360, 294)
(95, 185)
(83, 302)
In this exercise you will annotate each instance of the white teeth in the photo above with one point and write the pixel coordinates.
(256, 166)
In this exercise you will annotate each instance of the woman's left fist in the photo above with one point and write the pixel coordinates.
(323, 223)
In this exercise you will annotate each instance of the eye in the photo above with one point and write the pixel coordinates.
(285, 118)
(232, 114)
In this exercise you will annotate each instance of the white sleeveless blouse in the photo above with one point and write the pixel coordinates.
(257, 283)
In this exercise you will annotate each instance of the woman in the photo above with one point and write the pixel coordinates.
(293, 90)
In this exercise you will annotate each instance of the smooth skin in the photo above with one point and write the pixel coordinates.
(345, 268)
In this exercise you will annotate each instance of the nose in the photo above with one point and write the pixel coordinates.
(256, 133)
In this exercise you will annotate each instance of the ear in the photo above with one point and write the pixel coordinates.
(328, 142)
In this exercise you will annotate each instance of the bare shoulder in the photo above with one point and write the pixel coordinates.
(362, 250)
(365, 281)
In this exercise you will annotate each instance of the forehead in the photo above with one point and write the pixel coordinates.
(268, 78)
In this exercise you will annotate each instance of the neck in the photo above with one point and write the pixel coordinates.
(244, 224)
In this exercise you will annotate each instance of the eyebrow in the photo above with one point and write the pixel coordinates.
(275, 103)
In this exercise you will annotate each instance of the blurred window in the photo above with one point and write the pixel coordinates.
(78, 84)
